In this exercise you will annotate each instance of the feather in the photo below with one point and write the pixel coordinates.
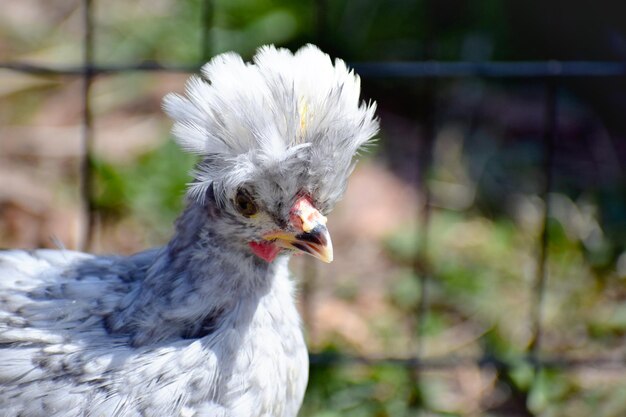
(251, 119)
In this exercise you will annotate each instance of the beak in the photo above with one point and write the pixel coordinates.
(312, 236)
(316, 243)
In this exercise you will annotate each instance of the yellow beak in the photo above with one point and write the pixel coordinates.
(315, 242)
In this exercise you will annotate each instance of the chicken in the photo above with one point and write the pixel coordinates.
(206, 325)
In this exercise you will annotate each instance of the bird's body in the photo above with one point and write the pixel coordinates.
(59, 359)
(205, 326)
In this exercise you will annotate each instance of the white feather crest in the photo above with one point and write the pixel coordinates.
(244, 118)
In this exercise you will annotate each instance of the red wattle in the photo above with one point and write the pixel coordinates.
(264, 250)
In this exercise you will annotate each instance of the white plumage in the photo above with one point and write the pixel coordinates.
(206, 325)
(281, 110)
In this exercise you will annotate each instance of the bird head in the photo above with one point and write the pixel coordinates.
(278, 138)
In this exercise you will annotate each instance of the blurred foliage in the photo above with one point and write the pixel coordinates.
(143, 32)
(151, 189)
(357, 391)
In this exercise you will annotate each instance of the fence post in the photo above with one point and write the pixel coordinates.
(206, 47)
(86, 166)
(549, 143)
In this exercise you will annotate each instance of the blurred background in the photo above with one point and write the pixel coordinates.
(481, 246)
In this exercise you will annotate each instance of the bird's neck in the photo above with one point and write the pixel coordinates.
(193, 284)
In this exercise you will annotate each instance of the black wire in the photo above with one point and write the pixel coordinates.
(415, 69)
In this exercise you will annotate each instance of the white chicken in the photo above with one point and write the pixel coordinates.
(206, 325)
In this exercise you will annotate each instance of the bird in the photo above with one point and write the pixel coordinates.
(206, 325)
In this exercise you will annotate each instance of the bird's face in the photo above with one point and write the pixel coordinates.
(278, 137)
(270, 218)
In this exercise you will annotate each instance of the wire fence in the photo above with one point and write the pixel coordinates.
(548, 74)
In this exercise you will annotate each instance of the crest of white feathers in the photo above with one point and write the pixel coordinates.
(289, 113)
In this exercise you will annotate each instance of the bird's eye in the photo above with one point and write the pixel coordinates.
(245, 204)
